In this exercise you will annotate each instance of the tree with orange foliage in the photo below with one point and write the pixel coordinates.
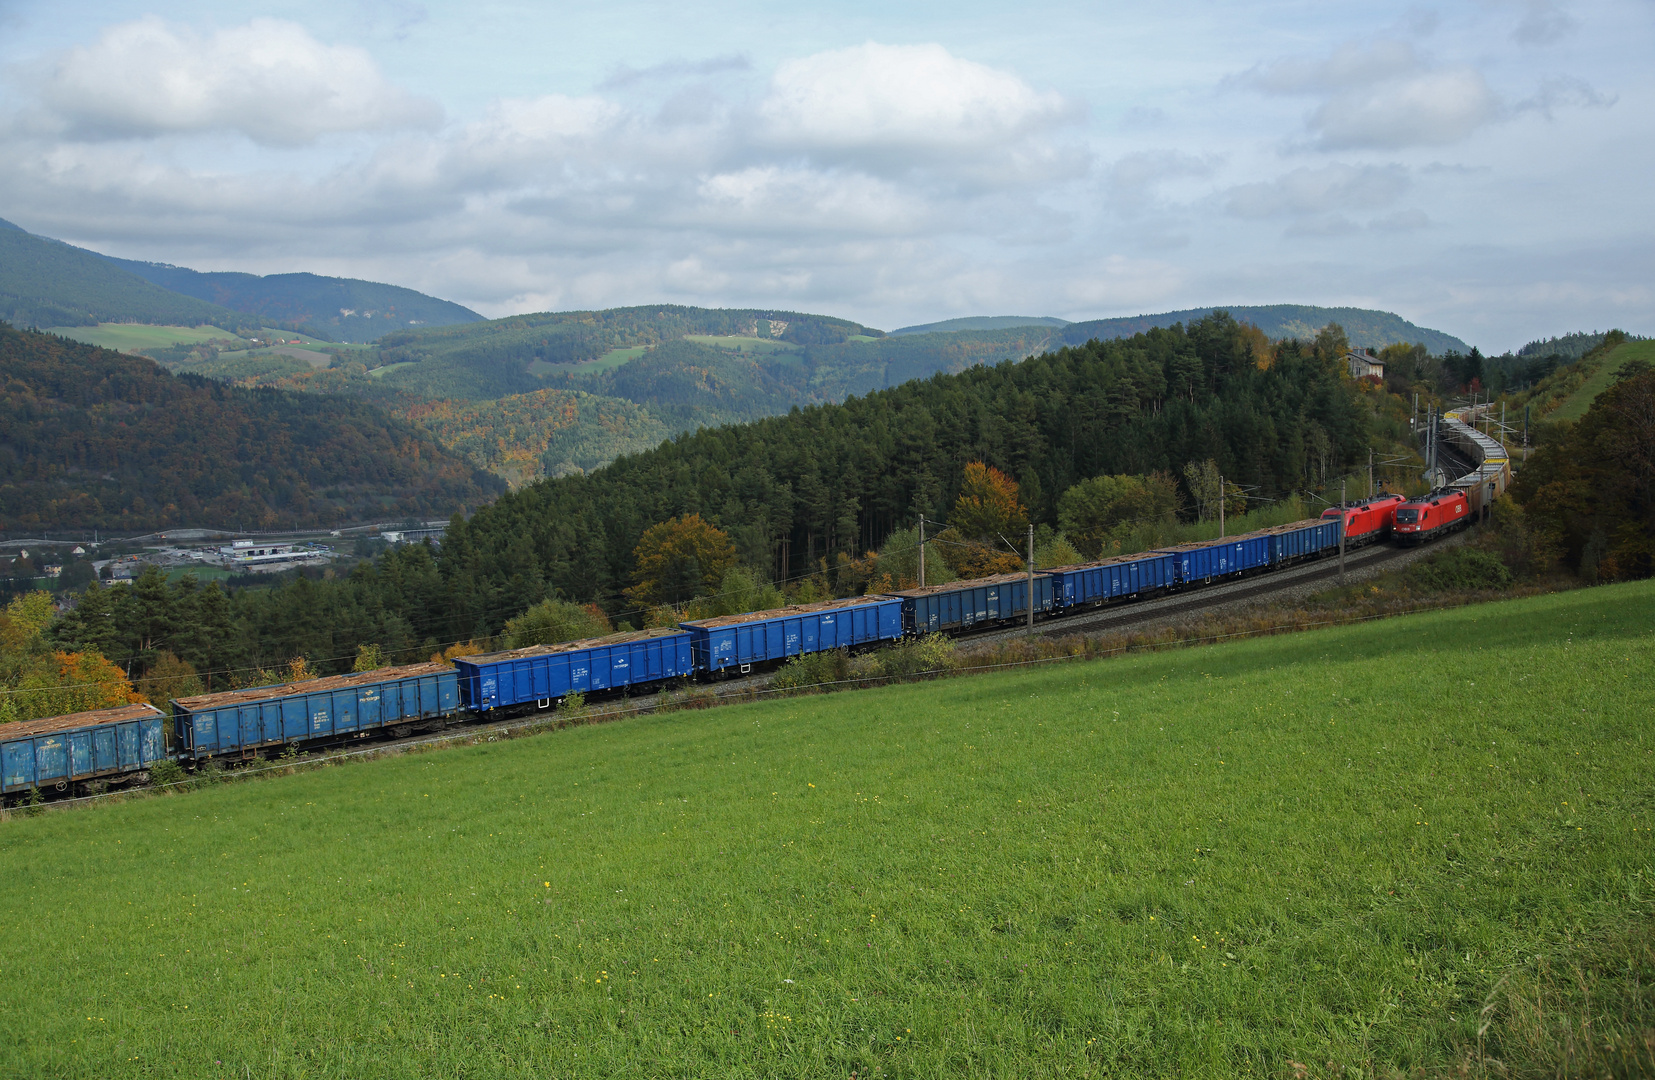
(988, 507)
(43, 681)
(678, 559)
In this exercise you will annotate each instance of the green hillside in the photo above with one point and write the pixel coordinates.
(141, 337)
(836, 480)
(473, 360)
(91, 438)
(1364, 327)
(1291, 856)
(1604, 374)
(981, 322)
(824, 360)
(344, 309)
(49, 283)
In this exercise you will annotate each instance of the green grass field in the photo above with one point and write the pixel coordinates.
(381, 372)
(732, 342)
(1337, 853)
(1575, 405)
(124, 336)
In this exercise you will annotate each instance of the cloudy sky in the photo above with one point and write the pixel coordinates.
(1486, 168)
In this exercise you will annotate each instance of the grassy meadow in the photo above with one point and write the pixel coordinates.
(126, 336)
(1575, 405)
(1410, 846)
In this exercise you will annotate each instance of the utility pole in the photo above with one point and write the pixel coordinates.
(1431, 444)
(1031, 577)
(1370, 472)
(1221, 507)
(1342, 516)
(922, 551)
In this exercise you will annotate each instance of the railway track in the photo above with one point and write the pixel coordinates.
(1121, 615)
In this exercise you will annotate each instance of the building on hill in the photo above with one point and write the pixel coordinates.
(1365, 365)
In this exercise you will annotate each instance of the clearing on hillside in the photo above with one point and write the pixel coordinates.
(1575, 405)
(1414, 844)
(123, 337)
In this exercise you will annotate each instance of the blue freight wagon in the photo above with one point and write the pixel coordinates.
(740, 641)
(1208, 559)
(245, 721)
(960, 605)
(1111, 579)
(540, 673)
(1303, 540)
(101, 744)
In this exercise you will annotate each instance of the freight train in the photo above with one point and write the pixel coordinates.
(90, 751)
(86, 752)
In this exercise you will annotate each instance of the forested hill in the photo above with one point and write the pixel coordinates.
(1364, 327)
(341, 309)
(839, 478)
(94, 438)
(49, 283)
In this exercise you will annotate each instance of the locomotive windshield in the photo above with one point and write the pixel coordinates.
(1407, 516)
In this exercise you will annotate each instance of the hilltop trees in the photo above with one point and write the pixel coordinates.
(1593, 486)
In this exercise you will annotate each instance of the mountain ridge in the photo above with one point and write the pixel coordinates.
(46, 282)
(1364, 327)
(344, 309)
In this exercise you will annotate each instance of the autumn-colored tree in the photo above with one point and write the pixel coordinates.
(56, 683)
(42, 681)
(168, 678)
(467, 648)
(988, 507)
(678, 559)
(1257, 344)
(369, 657)
(977, 558)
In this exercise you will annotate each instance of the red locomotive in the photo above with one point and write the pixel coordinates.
(1367, 522)
(1431, 516)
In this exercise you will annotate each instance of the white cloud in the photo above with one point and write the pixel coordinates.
(1384, 96)
(905, 99)
(1308, 191)
(1425, 108)
(771, 197)
(1135, 178)
(269, 80)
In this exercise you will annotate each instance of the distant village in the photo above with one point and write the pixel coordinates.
(67, 567)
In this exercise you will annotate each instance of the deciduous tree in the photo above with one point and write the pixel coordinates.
(678, 558)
